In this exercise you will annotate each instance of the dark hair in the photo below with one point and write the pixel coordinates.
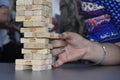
(71, 19)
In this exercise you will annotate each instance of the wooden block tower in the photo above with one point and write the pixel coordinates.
(36, 16)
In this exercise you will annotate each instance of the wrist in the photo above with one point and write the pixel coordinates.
(94, 52)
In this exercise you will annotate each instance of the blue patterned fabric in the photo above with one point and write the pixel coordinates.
(113, 8)
(102, 18)
(5, 3)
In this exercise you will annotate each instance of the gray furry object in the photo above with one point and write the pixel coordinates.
(71, 19)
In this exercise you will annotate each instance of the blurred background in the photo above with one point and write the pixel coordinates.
(10, 46)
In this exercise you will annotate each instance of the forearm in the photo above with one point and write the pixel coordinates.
(96, 53)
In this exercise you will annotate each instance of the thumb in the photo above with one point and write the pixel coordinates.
(58, 63)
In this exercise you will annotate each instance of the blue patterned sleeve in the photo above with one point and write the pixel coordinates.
(113, 8)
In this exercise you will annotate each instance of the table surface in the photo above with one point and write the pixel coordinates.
(65, 72)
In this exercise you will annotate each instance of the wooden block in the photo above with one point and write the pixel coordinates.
(22, 67)
(20, 13)
(40, 2)
(35, 18)
(28, 2)
(28, 24)
(41, 35)
(39, 29)
(39, 24)
(49, 1)
(33, 51)
(35, 40)
(34, 24)
(54, 35)
(20, 18)
(30, 18)
(33, 62)
(23, 62)
(41, 56)
(42, 62)
(28, 56)
(48, 11)
(29, 7)
(48, 20)
(20, 2)
(37, 7)
(28, 13)
(50, 4)
(48, 61)
(20, 8)
(39, 12)
(37, 46)
(38, 18)
(40, 68)
(37, 34)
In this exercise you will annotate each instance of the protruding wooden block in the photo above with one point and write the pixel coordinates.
(35, 40)
(22, 67)
(33, 24)
(23, 62)
(37, 46)
(37, 34)
(41, 35)
(39, 29)
(35, 51)
(40, 68)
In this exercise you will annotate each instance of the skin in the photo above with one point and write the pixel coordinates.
(4, 14)
(80, 48)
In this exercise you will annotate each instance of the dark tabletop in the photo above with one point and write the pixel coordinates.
(65, 72)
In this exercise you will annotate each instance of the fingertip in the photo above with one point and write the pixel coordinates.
(57, 63)
(66, 35)
(61, 36)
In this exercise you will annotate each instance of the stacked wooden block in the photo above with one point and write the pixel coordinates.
(36, 16)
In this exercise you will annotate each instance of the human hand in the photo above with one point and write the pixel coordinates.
(76, 47)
